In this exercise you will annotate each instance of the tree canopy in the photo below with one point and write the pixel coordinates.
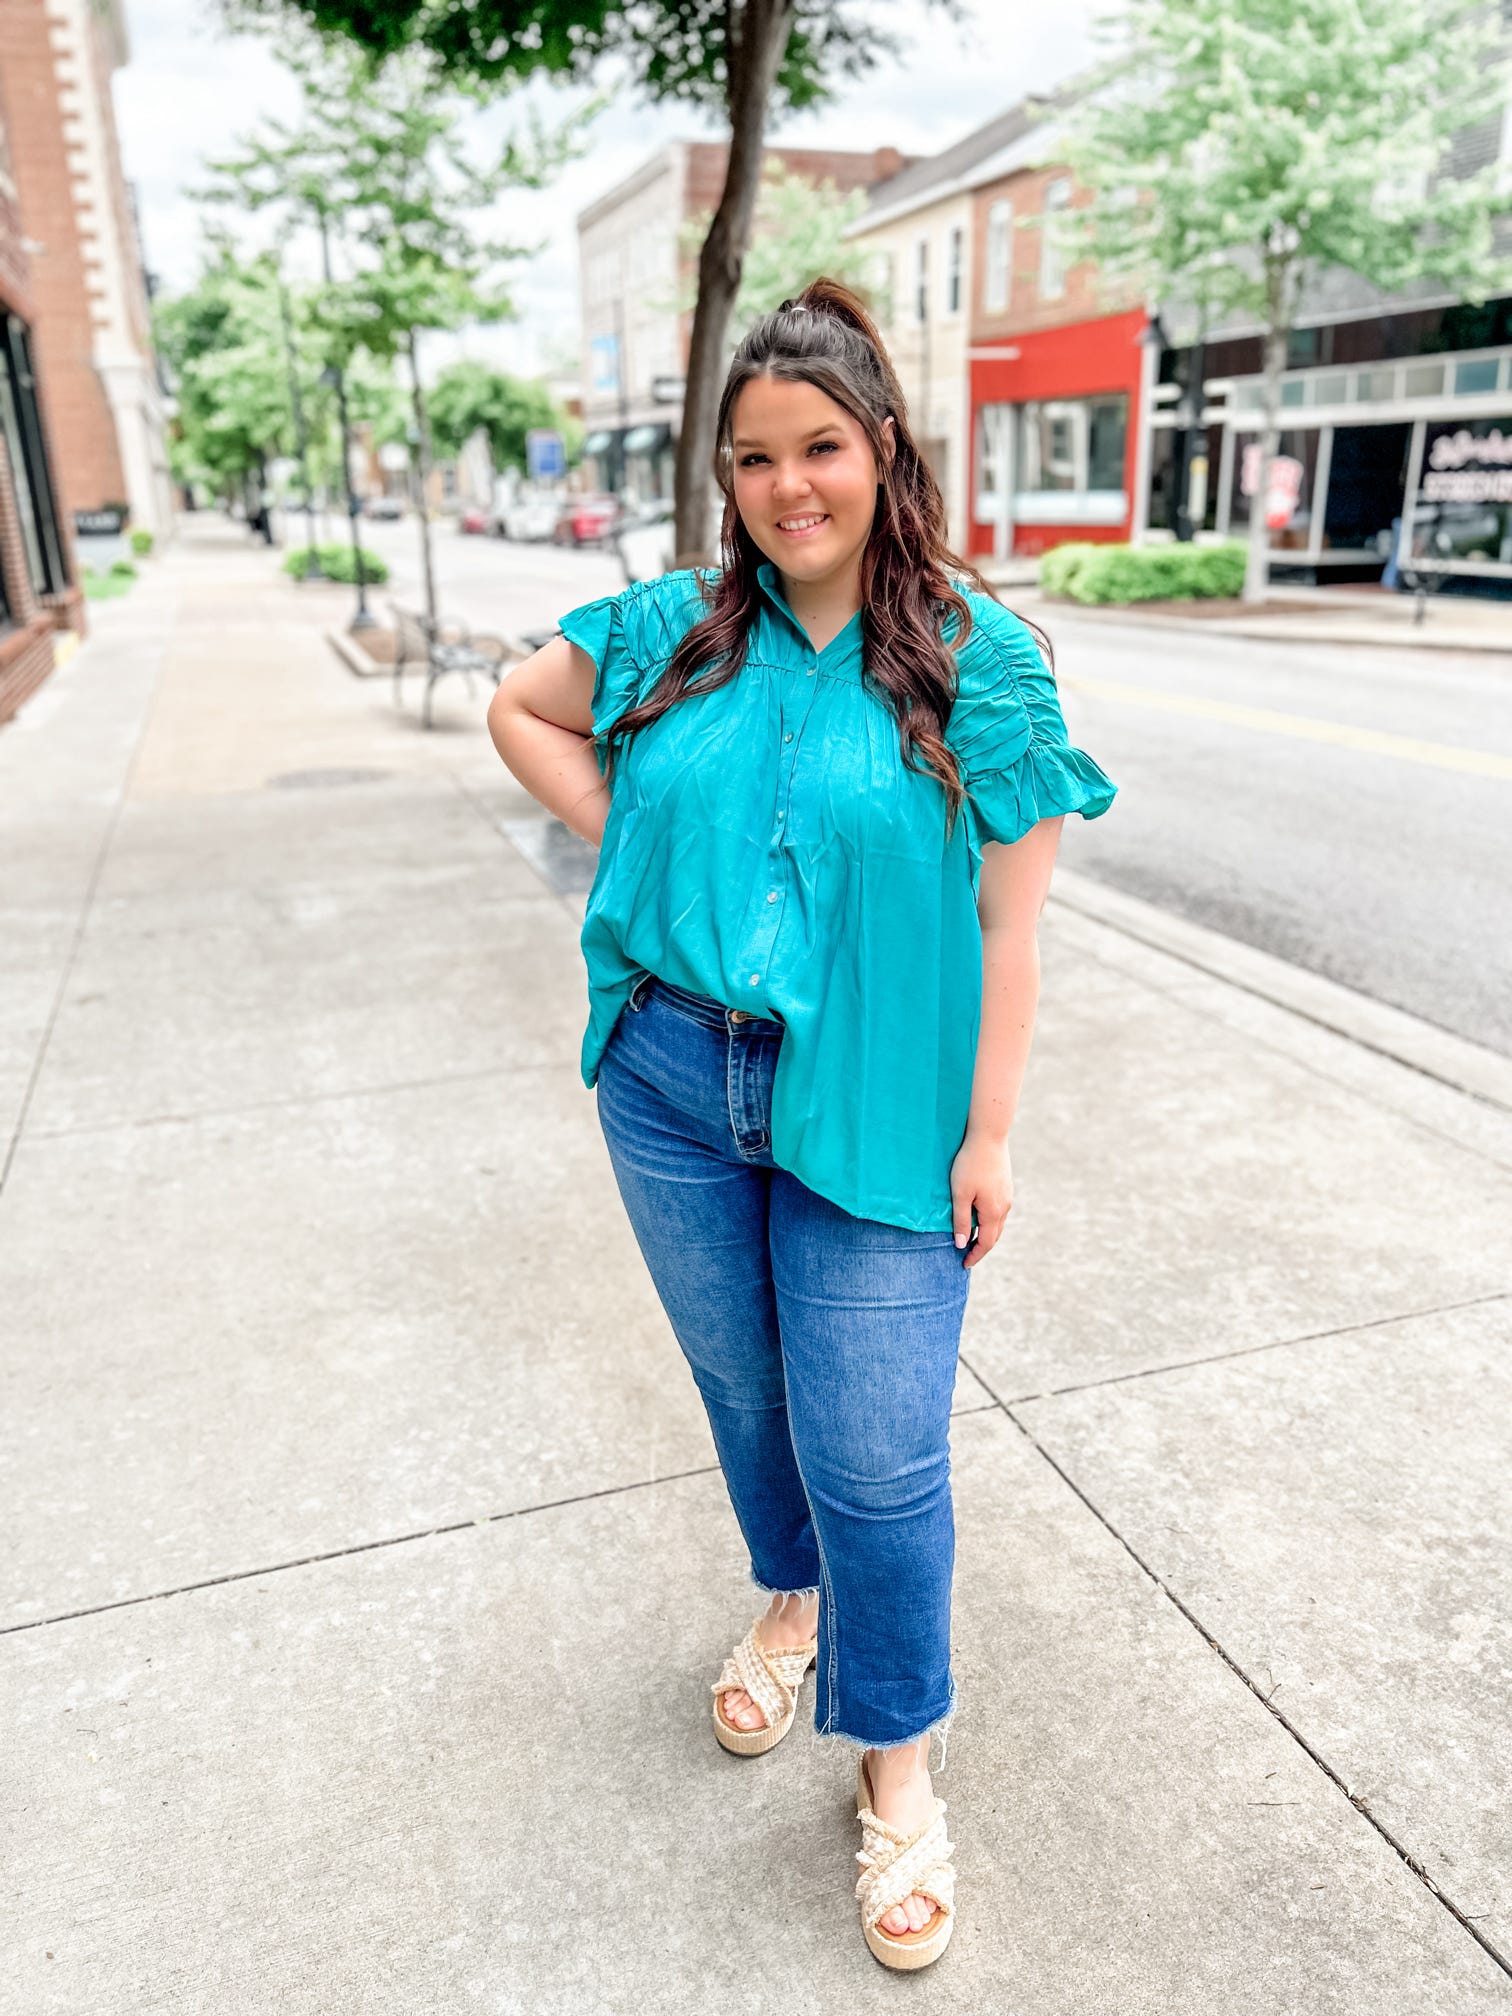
(1235, 152)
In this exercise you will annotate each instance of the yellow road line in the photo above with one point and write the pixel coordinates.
(1306, 727)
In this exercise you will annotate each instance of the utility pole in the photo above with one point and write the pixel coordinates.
(301, 439)
(364, 619)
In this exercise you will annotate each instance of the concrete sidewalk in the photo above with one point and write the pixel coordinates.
(368, 1563)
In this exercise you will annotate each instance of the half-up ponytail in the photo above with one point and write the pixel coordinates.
(824, 337)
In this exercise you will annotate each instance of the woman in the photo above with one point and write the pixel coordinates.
(828, 785)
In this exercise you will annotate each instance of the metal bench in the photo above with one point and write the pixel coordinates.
(449, 647)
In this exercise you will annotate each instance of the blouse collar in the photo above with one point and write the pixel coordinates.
(842, 656)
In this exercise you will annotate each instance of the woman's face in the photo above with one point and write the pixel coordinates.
(805, 477)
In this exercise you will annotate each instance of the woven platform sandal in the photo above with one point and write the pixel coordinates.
(894, 1864)
(771, 1675)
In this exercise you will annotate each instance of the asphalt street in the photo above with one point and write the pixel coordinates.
(1345, 808)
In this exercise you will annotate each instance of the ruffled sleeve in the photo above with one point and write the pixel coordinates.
(600, 629)
(1008, 734)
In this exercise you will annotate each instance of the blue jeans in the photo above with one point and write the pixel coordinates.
(824, 1347)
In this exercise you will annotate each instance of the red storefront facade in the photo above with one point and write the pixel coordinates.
(1057, 373)
(1055, 425)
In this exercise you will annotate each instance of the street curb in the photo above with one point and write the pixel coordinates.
(352, 655)
(1391, 1032)
(1295, 632)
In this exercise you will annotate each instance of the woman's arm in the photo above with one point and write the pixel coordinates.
(1011, 892)
(541, 721)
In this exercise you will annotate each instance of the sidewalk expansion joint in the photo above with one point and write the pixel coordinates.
(1357, 1800)
(1251, 1350)
(296, 1100)
(358, 1547)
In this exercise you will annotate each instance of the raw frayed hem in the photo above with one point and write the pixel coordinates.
(825, 1738)
(800, 1596)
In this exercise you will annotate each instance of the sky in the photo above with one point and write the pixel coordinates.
(190, 89)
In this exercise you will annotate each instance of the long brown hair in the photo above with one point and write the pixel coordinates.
(826, 338)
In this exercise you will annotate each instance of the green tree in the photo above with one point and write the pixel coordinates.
(468, 395)
(1235, 152)
(377, 155)
(742, 59)
(798, 232)
(222, 340)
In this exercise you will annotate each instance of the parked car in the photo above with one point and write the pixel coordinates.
(586, 520)
(474, 519)
(530, 515)
(383, 507)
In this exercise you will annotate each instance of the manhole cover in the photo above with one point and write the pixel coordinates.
(298, 780)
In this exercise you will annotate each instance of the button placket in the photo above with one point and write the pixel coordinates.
(771, 913)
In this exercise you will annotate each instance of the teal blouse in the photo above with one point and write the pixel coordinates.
(765, 844)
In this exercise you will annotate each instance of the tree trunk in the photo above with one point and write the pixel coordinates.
(756, 40)
(422, 468)
(1277, 335)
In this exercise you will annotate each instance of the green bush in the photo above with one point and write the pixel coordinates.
(1060, 566)
(141, 544)
(123, 570)
(336, 564)
(1176, 573)
(102, 587)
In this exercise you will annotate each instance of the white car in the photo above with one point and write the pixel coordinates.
(527, 517)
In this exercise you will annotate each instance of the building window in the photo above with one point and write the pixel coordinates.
(954, 255)
(1052, 282)
(21, 427)
(999, 238)
(1072, 445)
(921, 281)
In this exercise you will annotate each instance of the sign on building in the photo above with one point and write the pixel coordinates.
(545, 454)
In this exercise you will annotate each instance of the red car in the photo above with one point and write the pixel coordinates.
(586, 519)
(473, 520)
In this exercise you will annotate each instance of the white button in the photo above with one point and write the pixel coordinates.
(812, 670)
(754, 978)
(771, 895)
(781, 815)
(789, 736)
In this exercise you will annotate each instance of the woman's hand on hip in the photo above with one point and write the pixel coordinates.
(981, 1179)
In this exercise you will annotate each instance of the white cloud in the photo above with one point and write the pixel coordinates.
(191, 89)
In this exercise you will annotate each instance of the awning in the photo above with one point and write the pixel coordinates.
(599, 443)
(648, 440)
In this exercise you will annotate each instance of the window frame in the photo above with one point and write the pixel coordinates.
(997, 267)
(1054, 262)
(955, 268)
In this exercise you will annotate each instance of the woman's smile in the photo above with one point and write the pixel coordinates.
(802, 525)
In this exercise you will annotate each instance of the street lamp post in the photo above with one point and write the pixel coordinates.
(335, 377)
(301, 439)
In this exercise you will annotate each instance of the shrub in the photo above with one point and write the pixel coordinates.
(1060, 566)
(1178, 573)
(141, 544)
(336, 564)
(102, 587)
(123, 570)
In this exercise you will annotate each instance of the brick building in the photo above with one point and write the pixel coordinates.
(93, 335)
(633, 270)
(1059, 377)
(918, 227)
(35, 558)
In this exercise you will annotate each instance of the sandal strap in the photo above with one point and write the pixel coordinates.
(770, 1675)
(893, 1865)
